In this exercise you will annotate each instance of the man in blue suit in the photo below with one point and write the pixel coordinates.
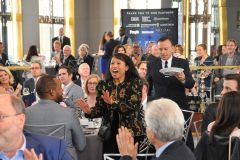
(16, 145)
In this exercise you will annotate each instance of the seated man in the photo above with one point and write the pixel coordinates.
(231, 82)
(14, 144)
(142, 69)
(71, 91)
(48, 112)
(231, 58)
(165, 126)
(84, 72)
(29, 85)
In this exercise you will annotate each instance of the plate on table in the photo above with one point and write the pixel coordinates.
(84, 122)
(92, 127)
(171, 71)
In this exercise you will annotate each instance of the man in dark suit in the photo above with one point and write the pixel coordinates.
(84, 72)
(62, 38)
(14, 144)
(67, 60)
(165, 126)
(29, 95)
(172, 87)
(3, 56)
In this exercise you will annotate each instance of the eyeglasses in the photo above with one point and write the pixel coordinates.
(35, 68)
(2, 117)
(92, 83)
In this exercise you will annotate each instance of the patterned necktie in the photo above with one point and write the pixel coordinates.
(166, 64)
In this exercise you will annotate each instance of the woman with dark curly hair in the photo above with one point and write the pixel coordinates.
(118, 101)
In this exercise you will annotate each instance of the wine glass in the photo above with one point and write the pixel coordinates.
(26, 91)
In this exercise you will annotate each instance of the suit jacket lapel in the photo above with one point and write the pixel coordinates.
(224, 59)
(32, 85)
(174, 62)
(235, 58)
(69, 88)
(159, 63)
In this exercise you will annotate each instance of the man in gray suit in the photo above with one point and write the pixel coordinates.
(232, 58)
(48, 112)
(71, 91)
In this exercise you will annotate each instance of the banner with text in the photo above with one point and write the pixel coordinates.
(145, 25)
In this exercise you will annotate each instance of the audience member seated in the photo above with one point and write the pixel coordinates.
(129, 49)
(232, 58)
(137, 53)
(84, 56)
(90, 89)
(119, 49)
(71, 91)
(165, 126)
(178, 51)
(84, 72)
(222, 49)
(48, 112)
(7, 83)
(231, 82)
(148, 51)
(57, 53)
(142, 69)
(214, 144)
(16, 145)
(67, 59)
(29, 95)
(145, 97)
(155, 53)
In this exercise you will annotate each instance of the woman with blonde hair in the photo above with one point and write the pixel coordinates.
(90, 89)
(7, 82)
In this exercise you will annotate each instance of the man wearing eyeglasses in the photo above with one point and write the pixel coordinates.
(16, 145)
(29, 95)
